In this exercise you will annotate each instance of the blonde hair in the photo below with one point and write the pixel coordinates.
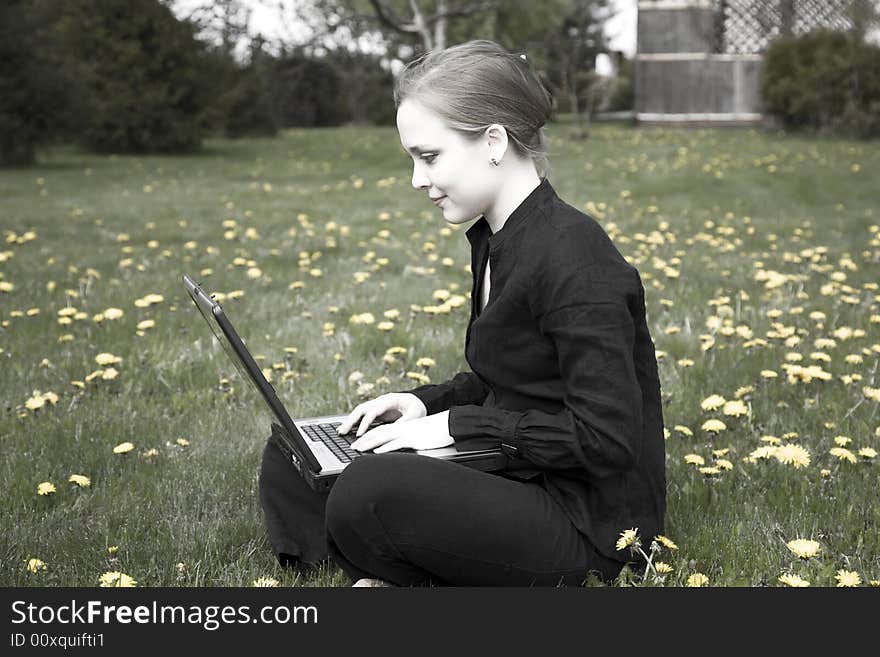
(475, 84)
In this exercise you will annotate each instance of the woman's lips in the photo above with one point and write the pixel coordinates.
(438, 200)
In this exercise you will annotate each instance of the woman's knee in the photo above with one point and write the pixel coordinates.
(366, 483)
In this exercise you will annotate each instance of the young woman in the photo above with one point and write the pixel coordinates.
(563, 371)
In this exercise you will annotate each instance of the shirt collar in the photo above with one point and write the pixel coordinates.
(536, 198)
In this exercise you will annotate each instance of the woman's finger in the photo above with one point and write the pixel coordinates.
(349, 421)
(391, 445)
(374, 438)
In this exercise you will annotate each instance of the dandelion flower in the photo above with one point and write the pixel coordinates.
(768, 374)
(713, 426)
(265, 582)
(735, 408)
(36, 402)
(871, 393)
(868, 452)
(712, 403)
(665, 542)
(104, 359)
(843, 454)
(792, 454)
(804, 548)
(662, 568)
(80, 480)
(109, 374)
(847, 578)
(697, 580)
(123, 448)
(425, 362)
(182, 442)
(46, 488)
(113, 313)
(724, 464)
(146, 324)
(694, 459)
(114, 578)
(34, 565)
(385, 326)
(795, 581)
(628, 537)
(710, 470)
(682, 429)
(842, 441)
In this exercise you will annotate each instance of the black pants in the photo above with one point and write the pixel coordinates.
(414, 520)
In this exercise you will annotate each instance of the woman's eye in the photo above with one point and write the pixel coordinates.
(429, 157)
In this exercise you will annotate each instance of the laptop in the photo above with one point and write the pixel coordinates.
(312, 444)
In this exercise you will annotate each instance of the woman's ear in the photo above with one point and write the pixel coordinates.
(496, 141)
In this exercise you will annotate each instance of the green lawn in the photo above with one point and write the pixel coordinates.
(759, 253)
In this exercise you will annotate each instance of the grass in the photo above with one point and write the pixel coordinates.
(703, 214)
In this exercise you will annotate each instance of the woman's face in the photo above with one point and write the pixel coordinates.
(453, 170)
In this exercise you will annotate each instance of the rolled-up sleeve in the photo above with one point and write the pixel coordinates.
(588, 314)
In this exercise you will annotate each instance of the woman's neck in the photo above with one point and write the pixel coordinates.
(517, 185)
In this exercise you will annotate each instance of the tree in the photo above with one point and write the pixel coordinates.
(142, 75)
(35, 88)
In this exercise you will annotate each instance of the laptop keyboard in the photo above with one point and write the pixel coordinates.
(339, 445)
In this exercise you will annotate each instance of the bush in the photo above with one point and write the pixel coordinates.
(823, 81)
(142, 76)
(35, 89)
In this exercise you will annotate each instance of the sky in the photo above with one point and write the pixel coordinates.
(271, 22)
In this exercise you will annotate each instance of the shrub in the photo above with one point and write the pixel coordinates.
(823, 81)
(142, 78)
(35, 89)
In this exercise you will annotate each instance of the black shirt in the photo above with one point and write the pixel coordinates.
(563, 369)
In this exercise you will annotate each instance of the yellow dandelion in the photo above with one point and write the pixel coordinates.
(868, 452)
(685, 431)
(113, 313)
(146, 324)
(710, 470)
(109, 374)
(665, 542)
(662, 568)
(35, 565)
(183, 442)
(105, 358)
(694, 459)
(628, 537)
(265, 582)
(115, 578)
(46, 488)
(697, 580)
(848, 578)
(843, 454)
(80, 480)
(123, 448)
(724, 464)
(712, 403)
(768, 374)
(795, 581)
(794, 455)
(735, 408)
(871, 393)
(36, 402)
(804, 548)
(713, 426)
(425, 362)
(842, 441)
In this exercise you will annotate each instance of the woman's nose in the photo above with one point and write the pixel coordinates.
(419, 179)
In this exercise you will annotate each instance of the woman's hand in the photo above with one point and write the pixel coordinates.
(398, 406)
(427, 432)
